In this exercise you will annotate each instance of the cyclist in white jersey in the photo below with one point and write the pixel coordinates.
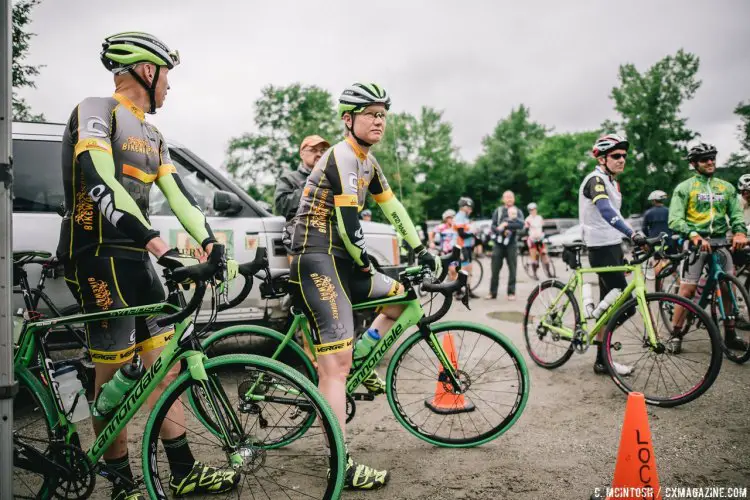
(599, 202)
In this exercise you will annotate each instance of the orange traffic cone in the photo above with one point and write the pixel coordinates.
(635, 470)
(446, 402)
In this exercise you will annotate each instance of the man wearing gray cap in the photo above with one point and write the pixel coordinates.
(290, 184)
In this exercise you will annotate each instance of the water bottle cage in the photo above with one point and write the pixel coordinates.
(69, 414)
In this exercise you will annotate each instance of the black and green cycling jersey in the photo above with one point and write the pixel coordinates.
(707, 206)
(111, 158)
(327, 217)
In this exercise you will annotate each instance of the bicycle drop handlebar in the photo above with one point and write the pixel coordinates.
(199, 274)
(247, 270)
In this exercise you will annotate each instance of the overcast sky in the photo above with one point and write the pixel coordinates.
(474, 60)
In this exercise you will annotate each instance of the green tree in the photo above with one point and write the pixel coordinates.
(421, 163)
(556, 168)
(649, 104)
(504, 161)
(283, 117)
(395, 154)
(23, 74)
(739, 161)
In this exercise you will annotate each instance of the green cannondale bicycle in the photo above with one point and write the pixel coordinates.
(635, 334)
(233, 405)
(452, 384)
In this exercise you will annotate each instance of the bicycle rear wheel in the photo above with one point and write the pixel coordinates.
(737, 350)
(256, 339)
(666, 375)
(493, 375)
(548, 349)
(297, 471)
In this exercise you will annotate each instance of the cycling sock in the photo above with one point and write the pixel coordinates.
(180, 457)
(121, 466)
(599, 353)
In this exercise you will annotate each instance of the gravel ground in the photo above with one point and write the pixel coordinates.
(565, 443)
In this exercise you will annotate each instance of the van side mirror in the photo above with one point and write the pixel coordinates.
(227, 203)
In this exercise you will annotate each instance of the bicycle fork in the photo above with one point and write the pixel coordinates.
(449, 373)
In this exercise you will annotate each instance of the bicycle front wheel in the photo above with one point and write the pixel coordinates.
(34, 418)
(251, 399)
(735, 324)
(494, 385)
(477, 273)
(526, 264)
(675, 368)
(549, 268)
(550, 349)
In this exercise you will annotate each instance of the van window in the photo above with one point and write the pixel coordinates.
(197, 184)
(37, 176)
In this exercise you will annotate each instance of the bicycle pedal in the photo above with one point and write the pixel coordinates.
(363, 396)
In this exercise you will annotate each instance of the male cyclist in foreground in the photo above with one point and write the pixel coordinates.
(111, 158)
(331, 267)
(700, 209)
(599, 202)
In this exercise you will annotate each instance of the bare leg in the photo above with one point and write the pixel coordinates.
(174, 424)
(332, 372)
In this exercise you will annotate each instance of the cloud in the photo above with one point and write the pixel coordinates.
(474, 60)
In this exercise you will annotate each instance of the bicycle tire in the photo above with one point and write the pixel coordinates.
(517, 397)
(255, 457)
(737, 356)
(476, 264)
(564, 345)
(550, 270)
(693, 312)
(239, 338)
(526, 264)
(30, 387)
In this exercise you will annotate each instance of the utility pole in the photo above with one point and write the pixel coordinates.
(8, 387)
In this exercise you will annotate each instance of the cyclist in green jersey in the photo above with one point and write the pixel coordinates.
(700, 209)
(111, 158)
(331, 266)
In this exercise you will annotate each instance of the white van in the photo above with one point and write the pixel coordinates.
(237, 220)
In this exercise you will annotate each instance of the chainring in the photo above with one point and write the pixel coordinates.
(80, 480)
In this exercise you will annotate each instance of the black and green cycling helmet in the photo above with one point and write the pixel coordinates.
(122, 51)
(358, 96)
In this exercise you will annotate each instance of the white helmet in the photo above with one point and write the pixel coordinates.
(609, 142)
(743, 184)
(657, 195)
(449, 213)
(531, 206)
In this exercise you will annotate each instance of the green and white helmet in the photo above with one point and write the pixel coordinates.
(123, 50)
(358, 96)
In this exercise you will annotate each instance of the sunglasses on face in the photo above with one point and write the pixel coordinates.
(618, 156)
(373, 115)
(707, 159)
